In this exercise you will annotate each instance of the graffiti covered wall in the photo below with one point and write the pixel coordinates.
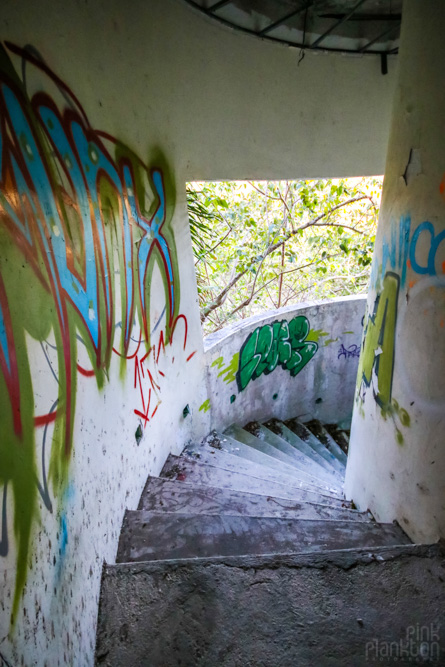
(101, 358)
(279, 343)
(286, 364)
(396, 464)
(89, 310)
(404, 322)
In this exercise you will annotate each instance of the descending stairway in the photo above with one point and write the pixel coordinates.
(259, 507)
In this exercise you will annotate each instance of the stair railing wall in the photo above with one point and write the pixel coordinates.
(292, 361)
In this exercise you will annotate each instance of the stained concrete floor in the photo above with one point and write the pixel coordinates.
(335, 609)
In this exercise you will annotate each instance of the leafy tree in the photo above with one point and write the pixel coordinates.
(263, 245)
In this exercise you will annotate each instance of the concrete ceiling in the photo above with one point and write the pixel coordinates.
(351, 26)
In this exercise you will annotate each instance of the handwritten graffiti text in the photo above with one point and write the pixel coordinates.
(348, 352)
(419, 249)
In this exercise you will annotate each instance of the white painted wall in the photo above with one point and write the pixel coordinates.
(396, 465)
(219, 105)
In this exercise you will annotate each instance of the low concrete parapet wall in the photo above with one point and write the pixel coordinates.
(295, 361)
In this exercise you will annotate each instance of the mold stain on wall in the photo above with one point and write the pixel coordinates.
(76, 207)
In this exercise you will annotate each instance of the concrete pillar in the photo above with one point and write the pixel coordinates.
(397, 456)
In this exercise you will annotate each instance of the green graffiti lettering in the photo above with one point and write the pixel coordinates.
(278, 344)
(219, 363)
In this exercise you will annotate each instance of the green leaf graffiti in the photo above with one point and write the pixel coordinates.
(205, 407)
(280, 343)
(228, 372)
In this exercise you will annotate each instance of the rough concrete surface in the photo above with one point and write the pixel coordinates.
(261, 465)
(186, 470)
(276, 426)
(165, 495)
(147, 536)
(338, 609)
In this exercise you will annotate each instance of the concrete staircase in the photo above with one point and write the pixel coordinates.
(207, 565)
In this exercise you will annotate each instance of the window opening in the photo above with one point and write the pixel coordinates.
(263, 245)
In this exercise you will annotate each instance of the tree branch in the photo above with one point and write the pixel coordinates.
(312, 223)
(215, 246)
(263, 193)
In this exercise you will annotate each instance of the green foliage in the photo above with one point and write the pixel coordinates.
(263, 245)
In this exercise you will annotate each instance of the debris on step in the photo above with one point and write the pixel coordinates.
(326, 439)
(339, 435)
(306, 434)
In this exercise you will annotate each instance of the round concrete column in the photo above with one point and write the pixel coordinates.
(396, 464)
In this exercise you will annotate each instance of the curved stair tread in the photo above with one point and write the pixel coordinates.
(305, 434)
(237, 448)
(147, 536)
(238, 433)
(164, 495)
(266, 467)
(327, 440)
(302, 461)
(194, 472)
(278, 427)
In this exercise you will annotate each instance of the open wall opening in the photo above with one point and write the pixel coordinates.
(264, 245)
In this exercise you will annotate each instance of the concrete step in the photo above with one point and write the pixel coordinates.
(164, 495)
(327, 440)
(322, 609)
(238, 433)
(340, 436)
(268, 468)
(305, 434)
(292, 438)
(301, 460)
(147, 536)
(186, 470)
